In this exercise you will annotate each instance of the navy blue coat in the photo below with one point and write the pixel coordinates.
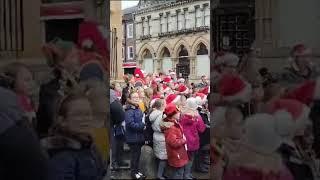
(72, 161)
(134, 125)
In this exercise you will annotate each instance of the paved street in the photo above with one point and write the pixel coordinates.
(125, 174)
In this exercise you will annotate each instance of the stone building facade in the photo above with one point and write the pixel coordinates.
(173, 35)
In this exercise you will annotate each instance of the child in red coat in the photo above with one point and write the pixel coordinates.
(175, 142)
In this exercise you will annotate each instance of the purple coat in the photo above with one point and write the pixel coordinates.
(192, 125)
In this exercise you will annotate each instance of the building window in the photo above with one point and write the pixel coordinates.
(142, 22)
(168, 21)
(130, 30)
(130, 52)
(207, 15)
(145, 27)
(163, 24)
(198, 17)
(149, 26)
(185, 11)
(179, 20)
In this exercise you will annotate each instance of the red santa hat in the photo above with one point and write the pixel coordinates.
(138, 73)
(165, 88)
(200, 98)
(290, 114)
(233, 88)
(300, 50)
(226, 59)
(172, 98)
(182, 89)
(306, 92)
(167, 80)
(205, 90)
(171, 109)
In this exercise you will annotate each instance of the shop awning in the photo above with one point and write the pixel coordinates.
(129, 65)
(70, 10)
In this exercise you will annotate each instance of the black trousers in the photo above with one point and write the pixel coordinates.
(117, 148)
(135, 153)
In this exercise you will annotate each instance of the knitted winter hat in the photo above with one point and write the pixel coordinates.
(171, 109)
(192, 103)
(226, 59)
(306, 92)
(172, 98)
(233, 88)
(299, 114)
(300, 50)
(261, 135)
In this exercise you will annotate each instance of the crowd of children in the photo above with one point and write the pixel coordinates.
(171, 116)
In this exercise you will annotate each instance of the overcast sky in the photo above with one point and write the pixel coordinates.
(128, 3)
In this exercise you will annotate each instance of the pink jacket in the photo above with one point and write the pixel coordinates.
(192, 125)
(243, 173)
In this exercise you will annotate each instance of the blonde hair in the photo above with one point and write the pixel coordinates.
(96, 92)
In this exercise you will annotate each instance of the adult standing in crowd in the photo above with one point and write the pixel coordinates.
(63, 57)
(117, 115)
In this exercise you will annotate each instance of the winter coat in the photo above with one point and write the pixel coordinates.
(71, 159)
(134, 125)
(192, 126)
(47, 100)
(175, 144)
(205, 136)
(159, 142)
(117, 113)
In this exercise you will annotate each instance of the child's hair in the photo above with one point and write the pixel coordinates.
(11, 71)
(64, 103)
(148, 92)
(62, 108)
(132, 92)
(158, 104)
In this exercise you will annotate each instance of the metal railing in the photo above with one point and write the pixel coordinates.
(11, 26)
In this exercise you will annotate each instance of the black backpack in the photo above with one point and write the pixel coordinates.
(148, 132)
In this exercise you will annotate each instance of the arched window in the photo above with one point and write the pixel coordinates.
(147, 61)
(202, 60)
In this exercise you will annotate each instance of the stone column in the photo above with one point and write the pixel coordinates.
(193, 65)
(159, 65)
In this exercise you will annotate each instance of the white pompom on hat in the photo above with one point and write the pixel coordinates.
(298, 111)
(261, 135)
